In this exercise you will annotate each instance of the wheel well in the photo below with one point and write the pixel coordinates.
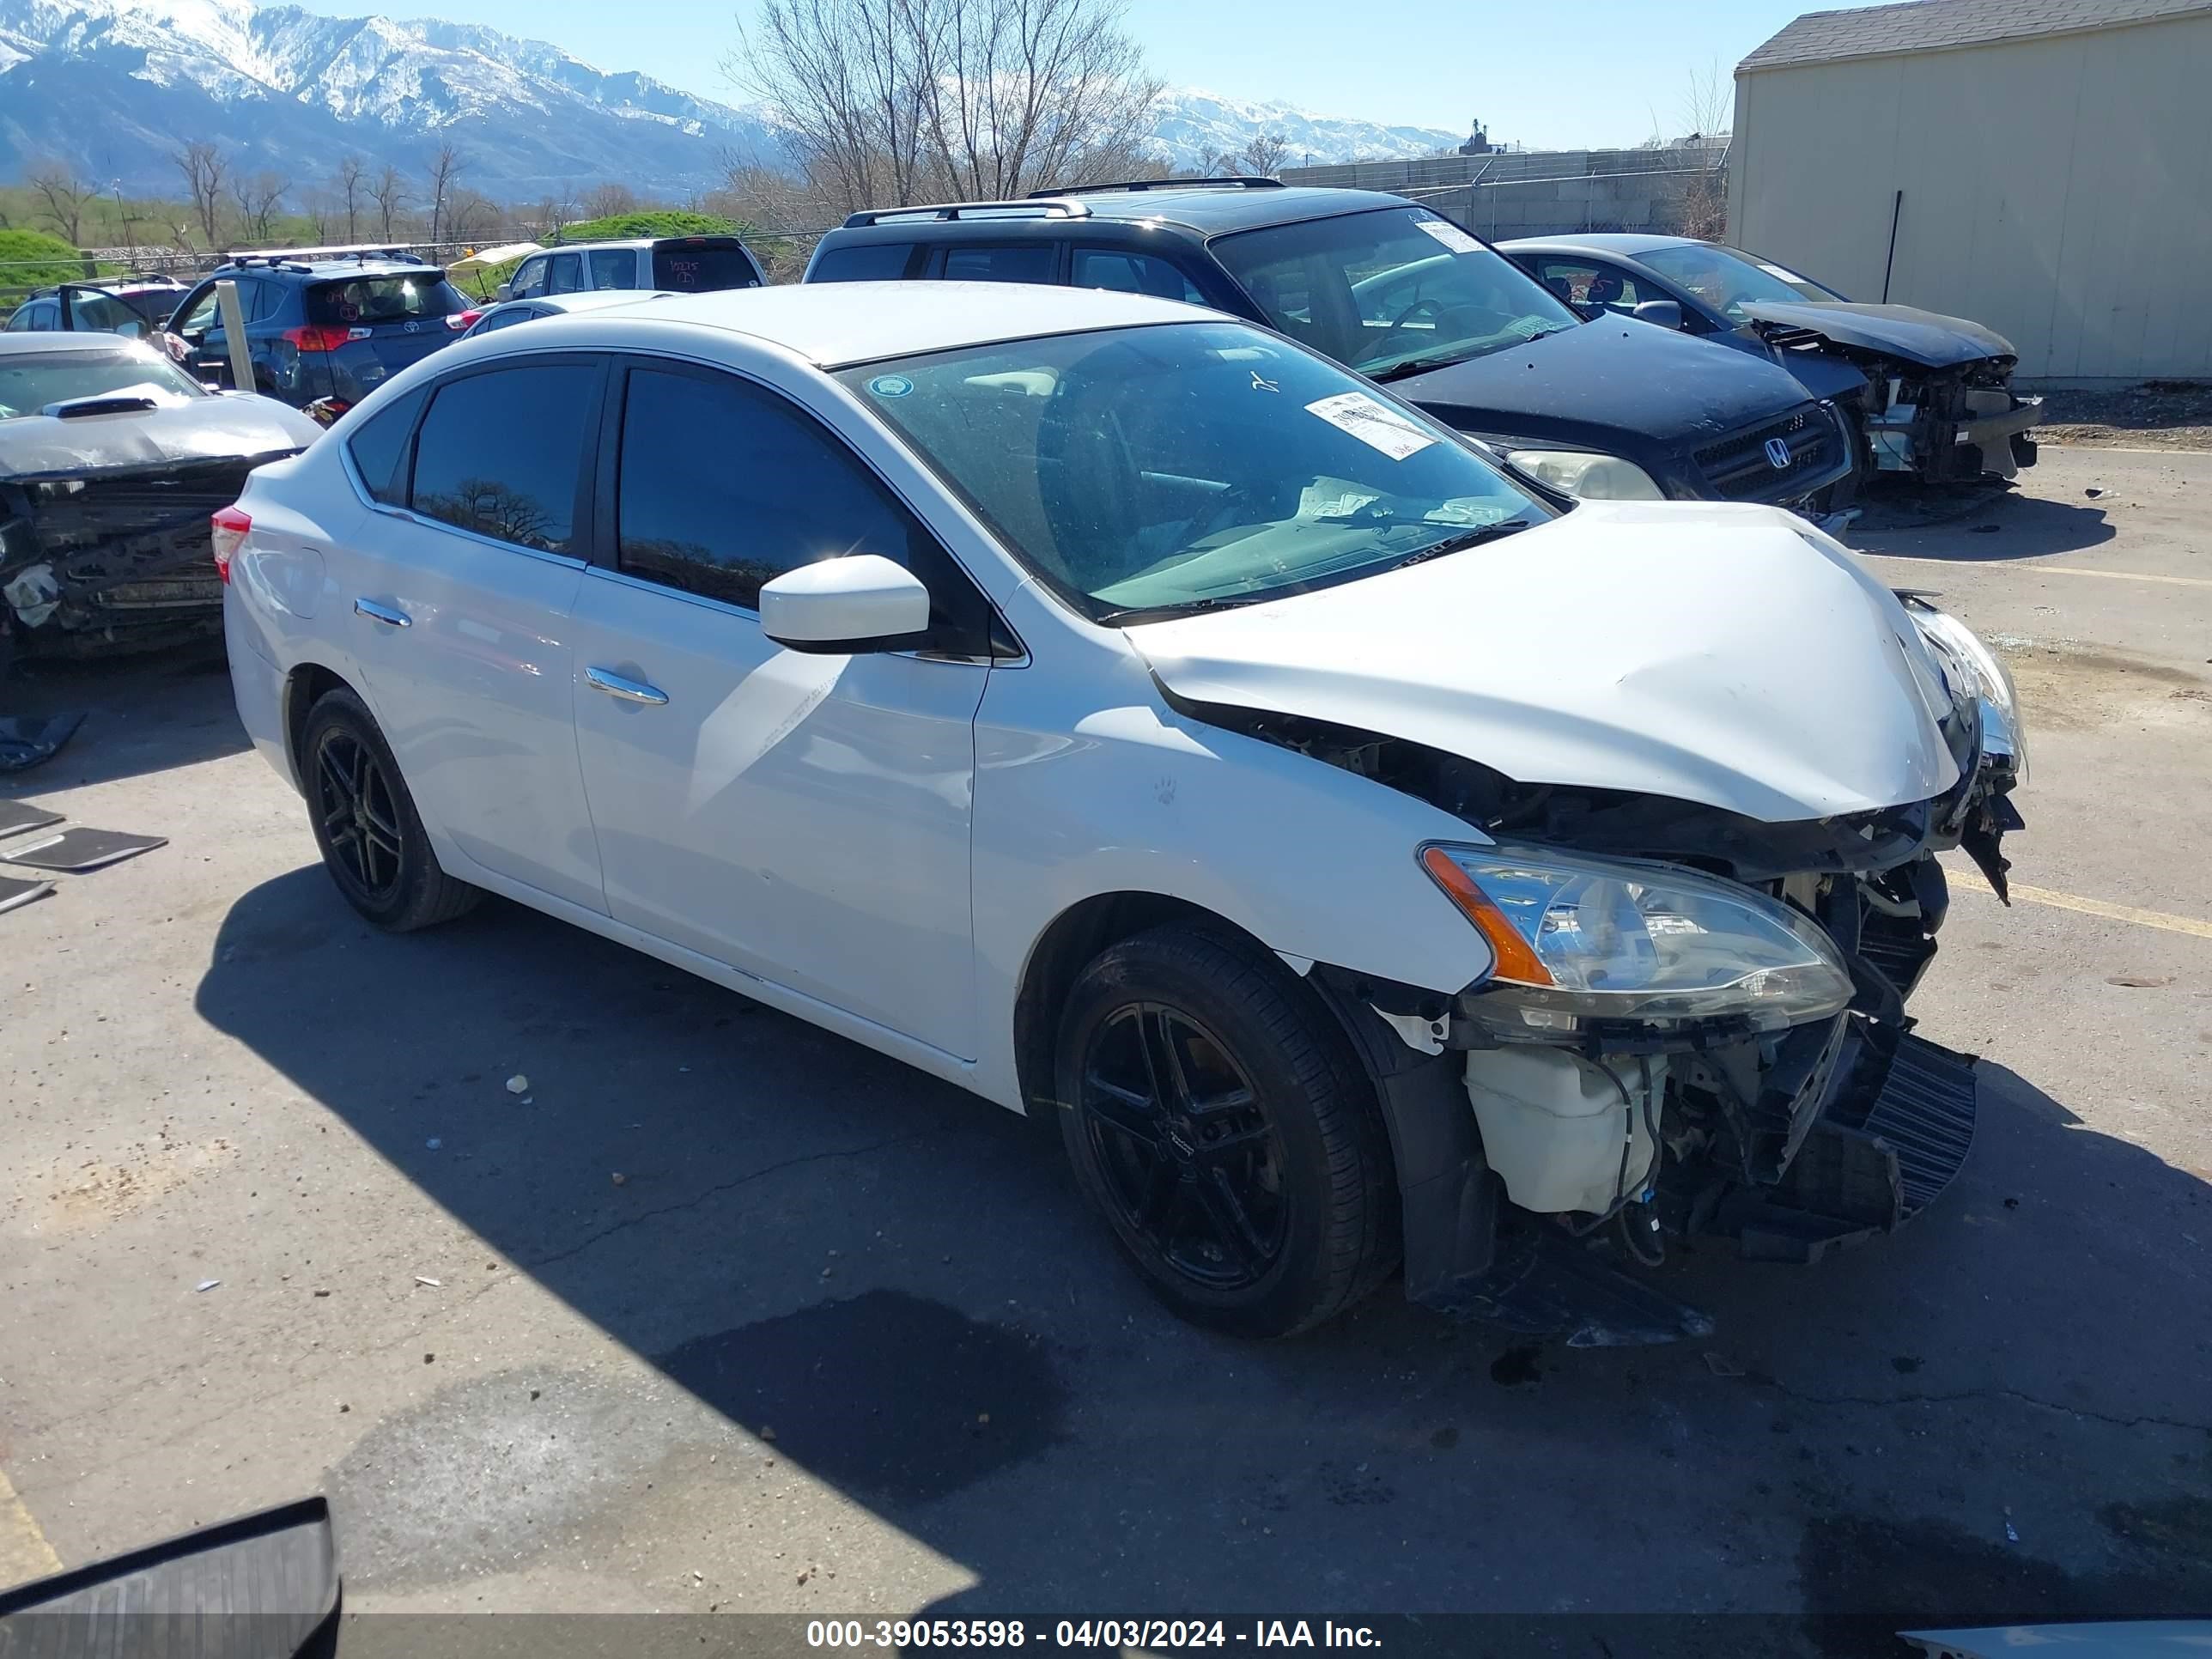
(1077, 935)
(301, 691)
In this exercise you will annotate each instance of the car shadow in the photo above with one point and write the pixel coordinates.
(142, 714)
(895, 1282)
(1975, 525)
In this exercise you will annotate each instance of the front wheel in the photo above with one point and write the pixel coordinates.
(372, 838)
(1222, 1127)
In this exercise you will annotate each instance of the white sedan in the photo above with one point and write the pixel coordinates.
(1119, 710)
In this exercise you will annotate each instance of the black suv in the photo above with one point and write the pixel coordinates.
(324, 323)
(1597, 406)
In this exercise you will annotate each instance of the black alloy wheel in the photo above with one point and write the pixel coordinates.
(372, 838)
(360, 823)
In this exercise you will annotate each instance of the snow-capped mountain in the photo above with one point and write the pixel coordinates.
(1193, 127)
(113, 88)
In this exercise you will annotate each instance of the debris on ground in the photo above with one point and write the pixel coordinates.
(423, 1278)
(2156, 415)
(621, 1180)
(1721, 1365)
(14, 892)
(2096, 492)
(2139, 982)
(74, 851)
(208, 1284)
(24, 742)
(518, 1085)
(767, 1433)
(1986, 529)
(17, 816)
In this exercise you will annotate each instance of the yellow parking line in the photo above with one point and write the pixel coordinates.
(2088, 906)
(2057, 570)
(24, 1552)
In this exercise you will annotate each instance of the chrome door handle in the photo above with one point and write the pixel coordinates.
(629, 690)
(388, 615)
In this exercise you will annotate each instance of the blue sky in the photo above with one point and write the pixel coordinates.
(1589, 72)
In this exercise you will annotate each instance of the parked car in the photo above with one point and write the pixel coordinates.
(677, 265)
(111, 460)
(1405, 297)
(1121, 711)
(507, 313)
(1936, 401)
(135, 308)
(324, 324)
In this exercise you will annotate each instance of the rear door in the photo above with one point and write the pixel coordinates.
(458, 604)
(612, 267)
(372, 325)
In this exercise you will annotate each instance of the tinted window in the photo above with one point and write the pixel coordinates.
(369, 301)
(40, 315)
(863, 262)
(613, 267)
(198, 316)
(724, 486)
(378, 449)
(1133, 273)
(696, 267)
(529, 280)
(566, 274)
(1031, 261)
(506, 317)
(501, 453)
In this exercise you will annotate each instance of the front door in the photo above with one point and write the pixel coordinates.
(803, 818)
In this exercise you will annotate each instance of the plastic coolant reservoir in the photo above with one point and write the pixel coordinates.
(1553, 1125)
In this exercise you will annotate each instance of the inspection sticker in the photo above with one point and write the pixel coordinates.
(890, 386)
(1377, 425)
(1449, 234)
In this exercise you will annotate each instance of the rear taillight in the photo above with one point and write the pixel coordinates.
(228, 526)
(461, 320)
(314, 338)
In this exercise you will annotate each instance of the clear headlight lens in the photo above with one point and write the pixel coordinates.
(2002, 730)
(1589, 478)
(1580, 937)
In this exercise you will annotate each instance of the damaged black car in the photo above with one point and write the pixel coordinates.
(1931, 396)
(112, 457)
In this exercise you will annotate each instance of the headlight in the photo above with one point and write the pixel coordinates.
(1590, 477)
(1578, 938)
(2002, 730)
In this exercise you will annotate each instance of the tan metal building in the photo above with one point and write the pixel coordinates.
(2046, 165)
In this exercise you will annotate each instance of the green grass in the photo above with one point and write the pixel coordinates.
(654, 221)
(31, 258)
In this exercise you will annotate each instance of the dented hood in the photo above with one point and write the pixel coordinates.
(1717, 652)
(1926, 337)
(196, 429)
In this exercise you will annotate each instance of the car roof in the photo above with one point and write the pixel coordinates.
(325, 270)
(1206, 209)
(1625, 244)
(597, 299)
(646, 241)
(87, 341)
(836, 323)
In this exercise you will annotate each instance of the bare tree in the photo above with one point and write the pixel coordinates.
(884, 101)
(321, 211)
(1708, 104)
(470, 214)
(352, 189)
(1708, 108)
(604, 201)
(389, 191)
(65, 196)
(258, 200)
(204, 167)
(540, 221)
(1262, 157)
(445, 165)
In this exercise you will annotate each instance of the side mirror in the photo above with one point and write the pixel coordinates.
(1667, 313)
(837, 607)
(506, 290)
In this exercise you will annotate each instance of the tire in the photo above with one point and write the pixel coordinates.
(371, 837)
(1263, 1201)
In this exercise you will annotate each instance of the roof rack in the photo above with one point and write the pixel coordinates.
(1043, 203)
(152, 279)
(1234, 181)
(299, 256)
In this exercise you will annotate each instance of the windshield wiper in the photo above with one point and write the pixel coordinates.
(1489, 532)
(1183, 608)
(1417, 366)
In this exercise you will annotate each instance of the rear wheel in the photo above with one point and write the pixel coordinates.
(1220, 1125)
(372, 838)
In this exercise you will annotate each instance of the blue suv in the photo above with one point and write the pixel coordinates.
(324, 323)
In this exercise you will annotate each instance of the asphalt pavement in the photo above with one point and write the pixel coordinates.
(717, 1311)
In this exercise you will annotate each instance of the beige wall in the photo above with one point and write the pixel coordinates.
(2057, 190)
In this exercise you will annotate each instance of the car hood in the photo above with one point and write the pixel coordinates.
(200, 430)
(1612, 376)
(1925, 337)
(1717, 652)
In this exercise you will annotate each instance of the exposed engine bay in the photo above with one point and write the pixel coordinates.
(1789, 1138)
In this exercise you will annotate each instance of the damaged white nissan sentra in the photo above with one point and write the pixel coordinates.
(1118, 709)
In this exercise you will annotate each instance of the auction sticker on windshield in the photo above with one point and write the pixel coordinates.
(1377, 425)
(1449, 234)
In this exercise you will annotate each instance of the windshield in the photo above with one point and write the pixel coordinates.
(1140, 473)
(1390, 290)
(366, 301)
(1728, 279)
(30, 383)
